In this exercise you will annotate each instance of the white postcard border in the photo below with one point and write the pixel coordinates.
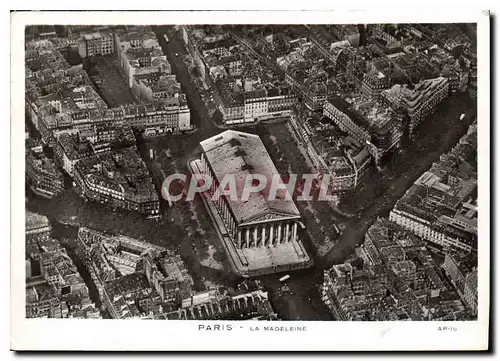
(53, 334)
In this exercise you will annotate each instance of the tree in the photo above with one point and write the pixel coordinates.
(218, 117)
(220, 255)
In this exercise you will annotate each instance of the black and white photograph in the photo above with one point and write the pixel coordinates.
(204, 174)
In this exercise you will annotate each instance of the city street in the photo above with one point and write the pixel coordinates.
(263, 172)
(303, 301)
(174, 49)
(442, 132)
(299, 297)
(303, 298)
(330, 232)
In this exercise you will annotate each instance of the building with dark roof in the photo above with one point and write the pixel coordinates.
(398, 279)
(253, 305)
(229, 101)
(41, 302)
(368, 122)
(44, 177)
(69, 149)
(54, 287)
(342, 158)
(220, 47)
(135, 279)
(97, 43)
(441, 206)
(37, 226)
(268, 101)
(418, 100)
(123, 296)
(118, 179)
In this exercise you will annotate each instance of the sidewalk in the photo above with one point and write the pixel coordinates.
(236, 262)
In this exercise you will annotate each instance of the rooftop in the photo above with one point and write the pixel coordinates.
(411, 95)
(376, 116)
(73, 148)
(131, 283)
(35, 220)
(223, 43)
(229, 96)
(445, 194)
(97, 35)
(241, 154)
(122, 171)
(39, 293)
(90, 237)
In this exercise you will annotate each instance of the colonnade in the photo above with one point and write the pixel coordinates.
(266, 234)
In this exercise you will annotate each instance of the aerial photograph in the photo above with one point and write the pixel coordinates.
(251, 172)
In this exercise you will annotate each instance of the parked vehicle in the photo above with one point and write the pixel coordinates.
(284, 278)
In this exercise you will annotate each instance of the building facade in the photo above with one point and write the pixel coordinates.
(336, 110)
(98, 43)
(441, 236)
(46, 180)
(100, 180)
(260, 234)
(373, 125)
(418, 100)
(470, 291)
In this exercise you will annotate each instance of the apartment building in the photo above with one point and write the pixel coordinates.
(69, 149)
(230, 103)
(41, 302)
(118, 179)
(44, 177)
(374, 82)
(368, 122)
(426, 210)
(98, 43)
(255, 105)
(37, 226)
(470, 291)
(419, 100)
(461, 269)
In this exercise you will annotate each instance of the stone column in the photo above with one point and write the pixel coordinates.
(279, 233)
(255, 237)
(287, 232)
(248, 237)
(294, 234)
(271, 235)
(263, 241)
(211, 307)
(239, 239)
